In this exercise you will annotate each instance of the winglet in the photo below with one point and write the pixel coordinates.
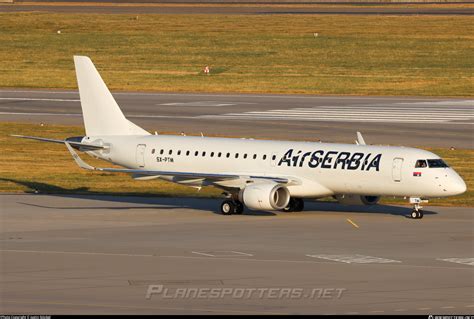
(78, 160)
(360, 139)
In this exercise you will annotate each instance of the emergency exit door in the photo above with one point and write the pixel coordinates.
(397, 169)
(140, 156)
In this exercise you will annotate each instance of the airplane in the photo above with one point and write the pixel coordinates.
(258, 174)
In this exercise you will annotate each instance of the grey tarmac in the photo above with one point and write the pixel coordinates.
(410, 121)
(63, 254)
(212, 8)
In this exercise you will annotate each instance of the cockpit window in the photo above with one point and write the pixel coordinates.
(436, 163)
(421, 163)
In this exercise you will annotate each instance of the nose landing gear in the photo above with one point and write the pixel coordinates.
(417, 213)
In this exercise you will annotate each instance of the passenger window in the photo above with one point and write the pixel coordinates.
(162, 151)
(203, 154)
(254, 156)
(187, 153)
(421, 164)
(264, 157)
(171, 152)
(212, 154)
(153, 151)
(228, 155)
(274, 157)
(196, 153)
(236, 155)
(219, 155)
(179, 152)
(245, 155)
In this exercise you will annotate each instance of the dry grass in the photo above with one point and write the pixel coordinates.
(274, 4)
(374, 55)
(28, 166)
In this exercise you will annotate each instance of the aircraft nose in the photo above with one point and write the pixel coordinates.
(458, 186)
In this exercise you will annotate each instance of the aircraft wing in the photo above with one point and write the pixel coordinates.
(190, 175)
(83, 146)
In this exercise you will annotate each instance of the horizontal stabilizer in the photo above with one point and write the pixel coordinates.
(83, 146)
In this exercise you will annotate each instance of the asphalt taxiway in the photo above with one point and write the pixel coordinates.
(99, 254)
(422, 122)
(254, 9)
(64, 254)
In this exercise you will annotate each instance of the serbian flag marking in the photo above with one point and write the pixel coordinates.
(417, 174)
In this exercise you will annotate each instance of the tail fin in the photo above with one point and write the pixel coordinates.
(102, 115)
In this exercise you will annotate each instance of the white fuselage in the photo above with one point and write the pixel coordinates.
(323, 169)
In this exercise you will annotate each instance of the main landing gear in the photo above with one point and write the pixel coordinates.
(229, 207)
(294, 205)
(417, 213)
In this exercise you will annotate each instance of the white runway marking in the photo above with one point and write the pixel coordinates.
(456, 102)
(417, 112)
(199, 103)
(355, 259)
(74, 253)
(241, 253)
(318, 119)
(205, 117)
(80, 114)
(36, 99)
(251, 96)
(204, 254)
(232, 258)
(464, 261)
(222, 253)
(39, 114)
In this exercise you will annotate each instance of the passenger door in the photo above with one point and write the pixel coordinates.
(140, 155)
(397, 169)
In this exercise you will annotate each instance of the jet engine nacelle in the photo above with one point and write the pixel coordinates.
(357, 199)
(265, 196)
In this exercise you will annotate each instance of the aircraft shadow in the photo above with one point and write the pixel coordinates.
(371, 209)
(204, 204)
(159, 203)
